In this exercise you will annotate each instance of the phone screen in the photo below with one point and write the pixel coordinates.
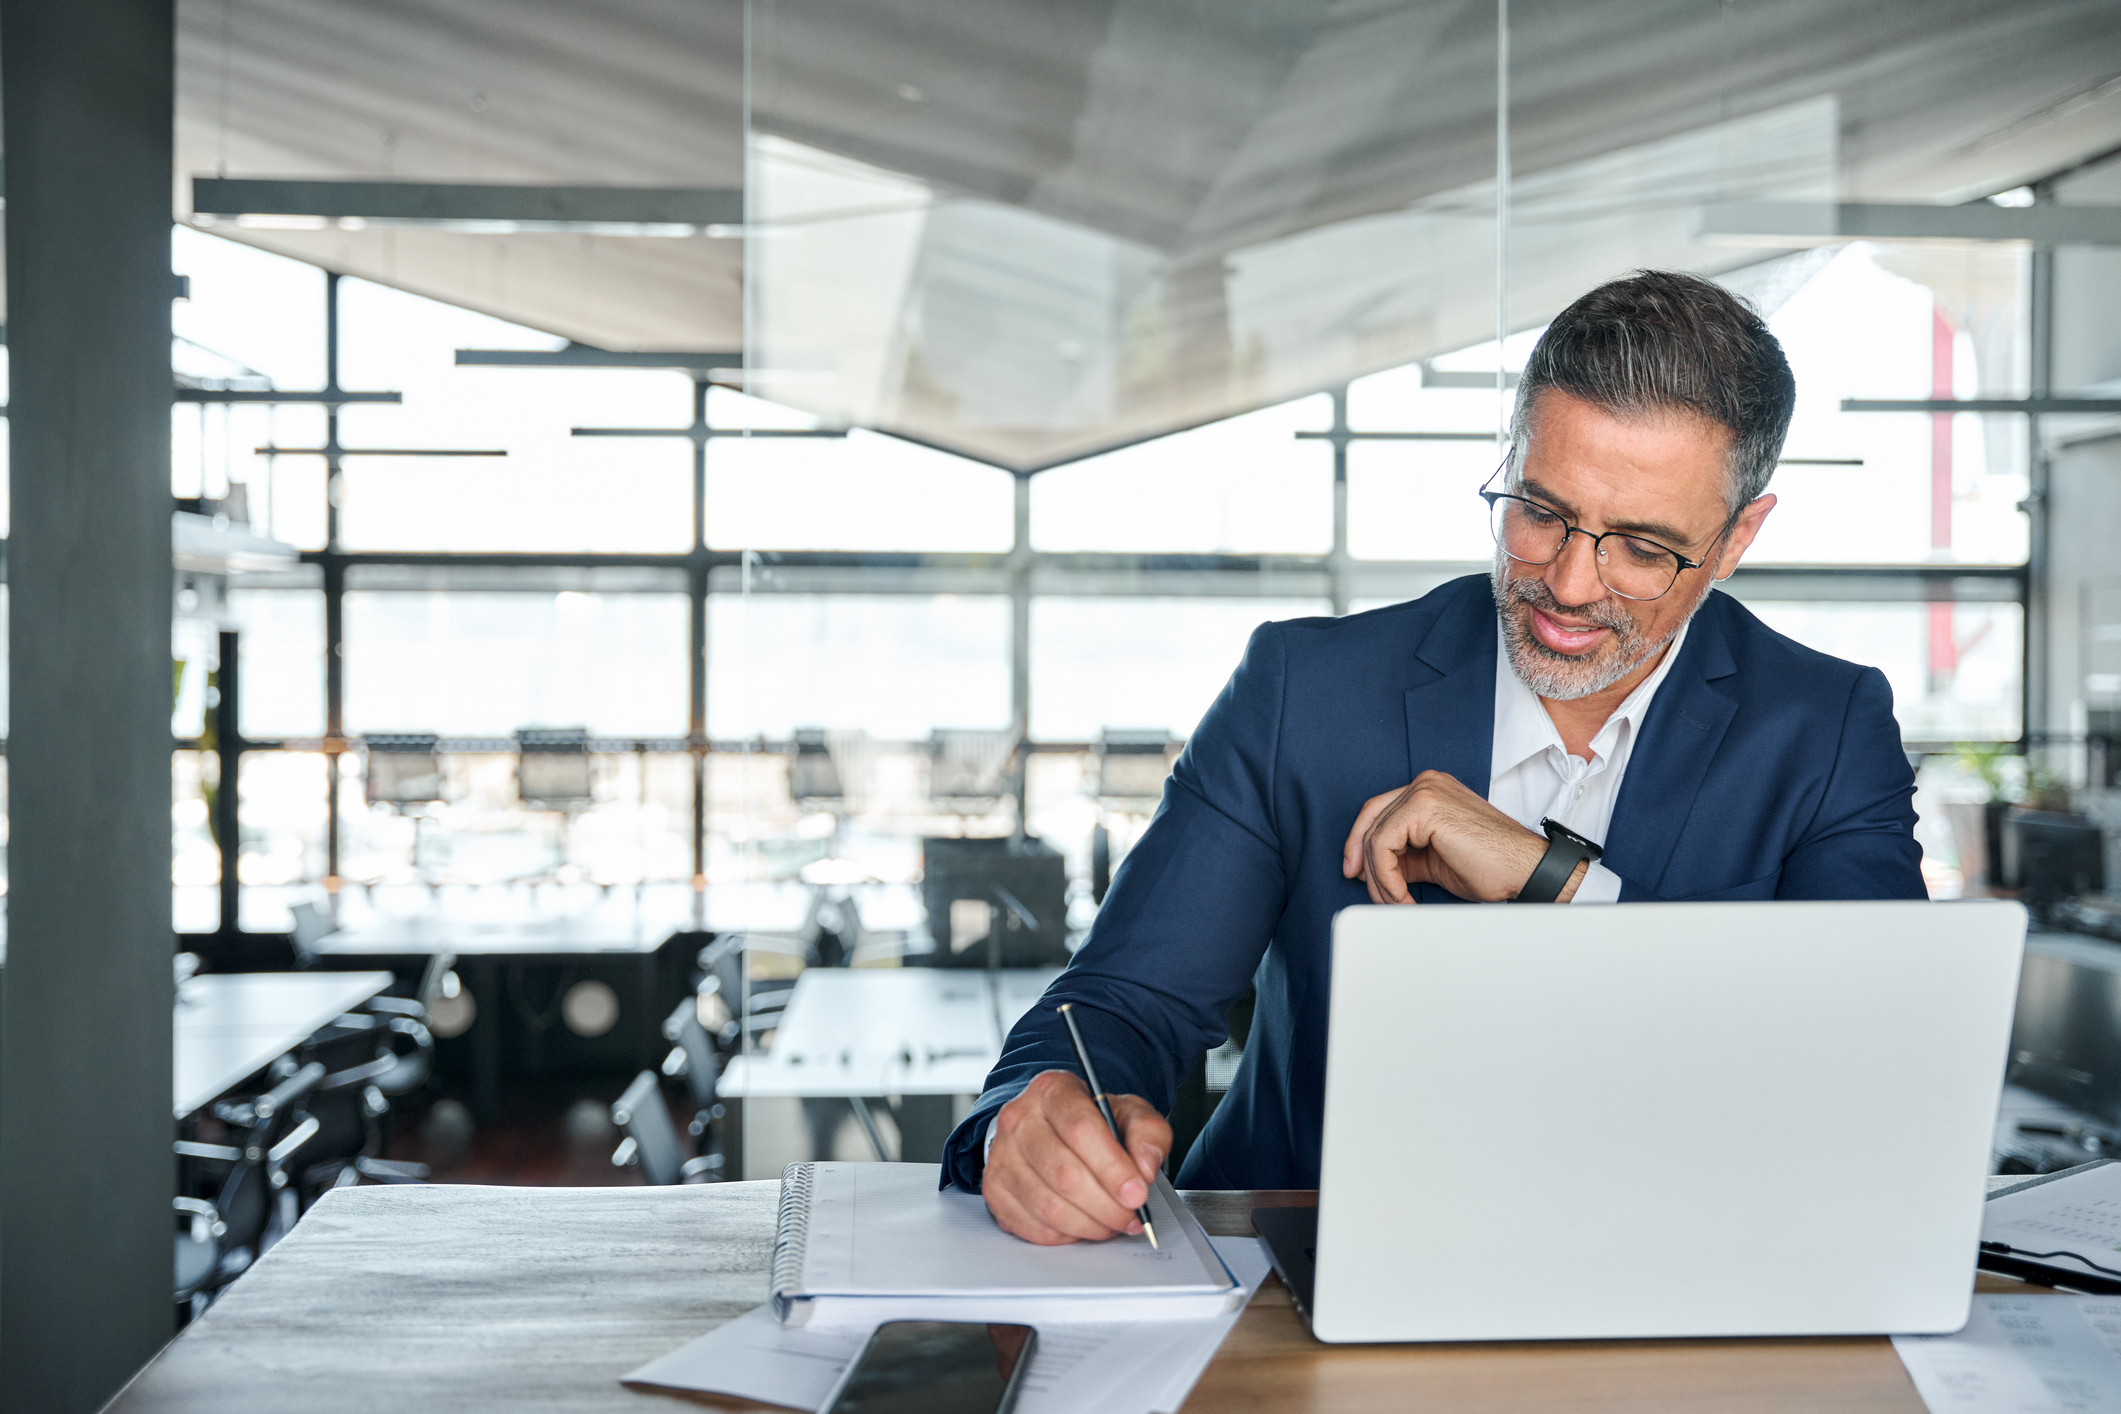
(936, 1367)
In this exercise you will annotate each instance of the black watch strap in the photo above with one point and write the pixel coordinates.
(1565, 850)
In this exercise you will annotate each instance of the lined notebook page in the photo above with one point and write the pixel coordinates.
(883, 1229)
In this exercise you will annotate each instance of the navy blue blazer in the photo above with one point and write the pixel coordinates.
(1764, 771)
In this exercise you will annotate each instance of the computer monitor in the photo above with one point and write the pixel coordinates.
(998, 901)
(2051, 857)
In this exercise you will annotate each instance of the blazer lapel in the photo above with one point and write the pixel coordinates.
(1451, 715)
(1685, 726)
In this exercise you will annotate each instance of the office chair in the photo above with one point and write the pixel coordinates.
(651, 1141)
(200, 1232)
(405, 1022)
(255, 1205)
(693, 1060)
(348, 1103)
(311, 926)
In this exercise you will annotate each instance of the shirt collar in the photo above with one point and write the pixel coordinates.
(1524, 730)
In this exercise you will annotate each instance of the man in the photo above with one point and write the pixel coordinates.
(1410, 755)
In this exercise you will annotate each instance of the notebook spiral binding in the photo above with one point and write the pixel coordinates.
(791, 1233)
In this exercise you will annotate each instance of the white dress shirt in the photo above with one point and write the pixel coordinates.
(1532, 775)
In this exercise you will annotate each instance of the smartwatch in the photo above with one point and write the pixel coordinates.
(1565, 850)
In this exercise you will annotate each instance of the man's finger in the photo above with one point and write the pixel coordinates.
(1351, 852)
(1147, 1134)
(1053, 1186)
(1016, 1219)
(1381, 855)
(1114, 1182)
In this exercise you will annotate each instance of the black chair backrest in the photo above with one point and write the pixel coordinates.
(245, 1200)
(646, 1120)
(702, 1069)
(312, 925)
(349, 1049)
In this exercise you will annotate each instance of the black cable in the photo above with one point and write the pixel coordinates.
(2004, 1249)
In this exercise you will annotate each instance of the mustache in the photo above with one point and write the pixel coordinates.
(1534, 591)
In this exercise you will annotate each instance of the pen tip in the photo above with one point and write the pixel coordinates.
(1149, 1229)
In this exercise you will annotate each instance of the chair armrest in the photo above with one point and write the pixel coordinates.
(193, 1149)
(205, 1219)
(298, 1136)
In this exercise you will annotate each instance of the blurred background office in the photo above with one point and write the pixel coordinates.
(696, 531)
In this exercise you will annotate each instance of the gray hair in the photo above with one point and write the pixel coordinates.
(1661, 341)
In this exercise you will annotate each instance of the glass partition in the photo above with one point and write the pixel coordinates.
(917, 469)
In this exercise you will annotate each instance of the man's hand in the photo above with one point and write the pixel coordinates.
(1438, 832)
(1055, 1175)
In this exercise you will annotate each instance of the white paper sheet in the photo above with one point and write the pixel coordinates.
(2080, 1214)
(2022, 1355)
(1135, 1367)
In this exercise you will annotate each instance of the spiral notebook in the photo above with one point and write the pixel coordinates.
(863, 1243)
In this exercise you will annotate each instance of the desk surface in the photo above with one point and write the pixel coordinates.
(229, 1025)
(889, 1031)
(480, 1299)
(613, 929)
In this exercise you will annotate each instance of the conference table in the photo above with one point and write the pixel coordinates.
(231, 1025)
(625, 930)
(919, 1034)
(483, 1300)
(849, 1031)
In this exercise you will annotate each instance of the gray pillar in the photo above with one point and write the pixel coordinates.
(86, 1174)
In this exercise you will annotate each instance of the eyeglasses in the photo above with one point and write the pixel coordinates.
(1629, 565)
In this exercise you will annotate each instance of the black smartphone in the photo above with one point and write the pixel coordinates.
(935, 1367)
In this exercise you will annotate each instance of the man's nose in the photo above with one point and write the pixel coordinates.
(1573, 576)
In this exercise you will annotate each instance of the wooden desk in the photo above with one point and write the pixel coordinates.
(493, 1299)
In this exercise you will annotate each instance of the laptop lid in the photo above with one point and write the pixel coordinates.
(1660, 1120)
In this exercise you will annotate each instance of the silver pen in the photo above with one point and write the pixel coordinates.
(1104, 1107)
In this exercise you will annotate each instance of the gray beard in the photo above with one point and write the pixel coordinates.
(1557, 676)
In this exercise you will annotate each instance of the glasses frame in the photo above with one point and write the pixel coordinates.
(1569, 528)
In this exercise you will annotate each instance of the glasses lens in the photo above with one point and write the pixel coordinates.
(1636, 569)
(1527, 533)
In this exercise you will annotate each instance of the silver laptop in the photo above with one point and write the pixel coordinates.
(1660, 1120)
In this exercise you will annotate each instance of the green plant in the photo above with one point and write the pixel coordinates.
(1984, 761)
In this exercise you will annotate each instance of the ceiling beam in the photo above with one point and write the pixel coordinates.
(474, 205)
(1803, 223)
(585, 356)
(1946, 405)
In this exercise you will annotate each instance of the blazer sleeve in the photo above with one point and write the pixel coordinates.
(1182, 929)
(1861, 841)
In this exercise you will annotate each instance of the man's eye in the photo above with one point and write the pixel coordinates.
(1535, 515)
(1644, 552)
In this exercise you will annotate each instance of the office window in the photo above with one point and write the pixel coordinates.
(1139, 662)
(635, 829)
(1245, 485)
(553, 491)
(863, 491)
(485, 663)
(1956, 670)
(1419, 500)
(282, 808)
(895, 666)
(255, 312)
(282, 668)
(603, 495)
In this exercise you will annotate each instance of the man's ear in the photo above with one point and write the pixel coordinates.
(1740, 539)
